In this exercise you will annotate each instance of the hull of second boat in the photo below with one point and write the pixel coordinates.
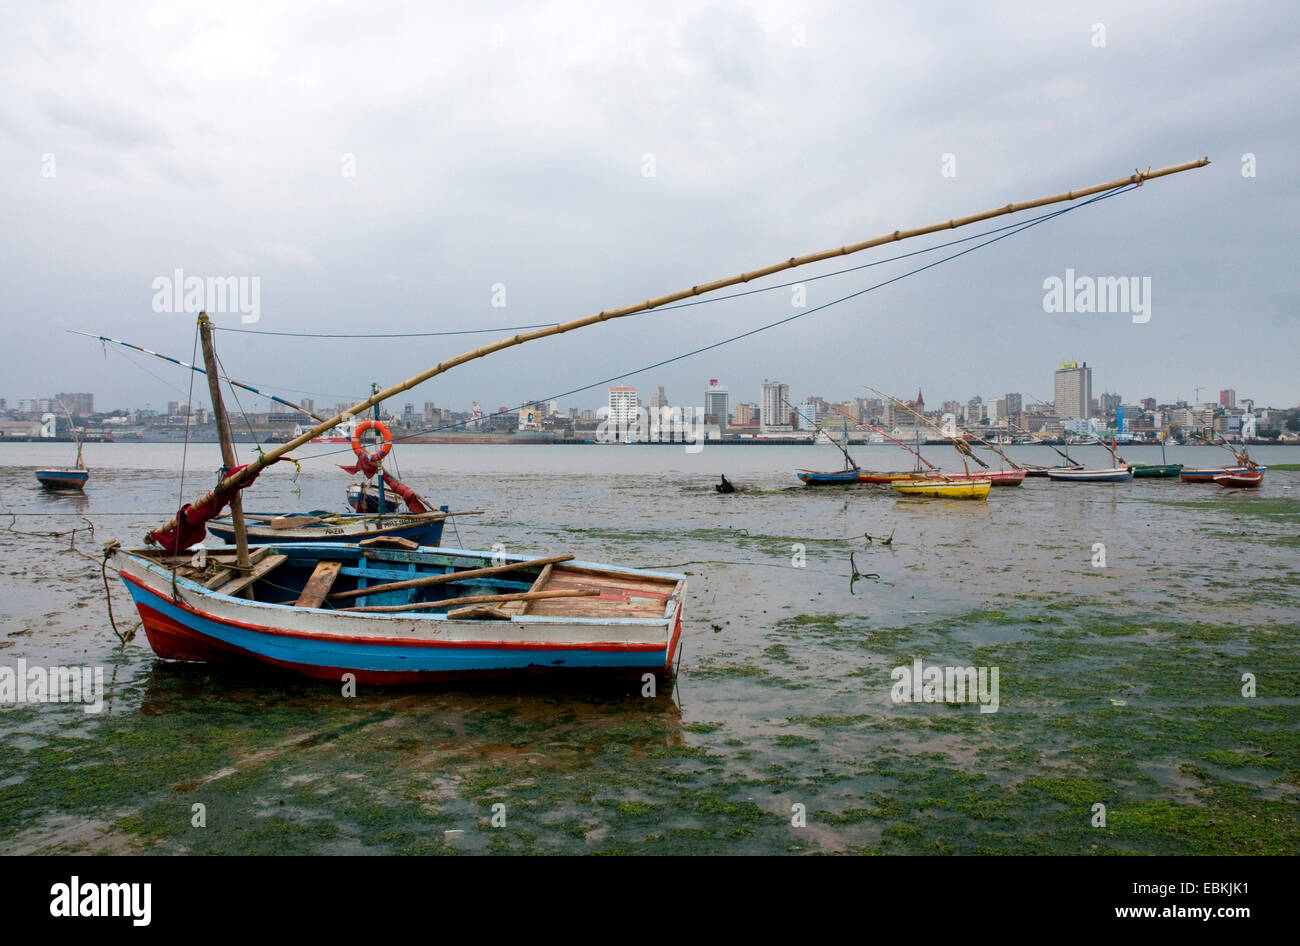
(1116, 475)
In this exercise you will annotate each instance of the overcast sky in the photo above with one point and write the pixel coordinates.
(380, 167)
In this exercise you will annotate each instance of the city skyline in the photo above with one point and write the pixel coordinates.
(717, 393)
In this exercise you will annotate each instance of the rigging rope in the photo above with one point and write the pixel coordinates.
(1011, 231)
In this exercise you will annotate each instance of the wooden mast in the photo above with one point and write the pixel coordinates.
(244, 475)
(960, 445)
(851, 463)
(223, 435)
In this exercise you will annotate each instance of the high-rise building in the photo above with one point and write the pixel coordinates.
(624, 406)
(1228, 399)
(746, 415)
(775, 413)
(658, 401)
(1109, 404)
(1073, 390)
(78, 405)
(1015, 406)
(717, 403)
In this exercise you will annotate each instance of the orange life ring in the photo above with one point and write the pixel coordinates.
(386, 446)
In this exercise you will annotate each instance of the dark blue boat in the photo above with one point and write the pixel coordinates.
(839, 477)
(338, 528)
(63, 479)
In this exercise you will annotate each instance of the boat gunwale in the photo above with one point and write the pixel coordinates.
(672, 603)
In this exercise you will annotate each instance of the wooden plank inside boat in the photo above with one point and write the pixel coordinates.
(318, 585)
(522, 606)
(617, 597)
(260, 570)
(389, 542)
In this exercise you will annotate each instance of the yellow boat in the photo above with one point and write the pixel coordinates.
(945, 489)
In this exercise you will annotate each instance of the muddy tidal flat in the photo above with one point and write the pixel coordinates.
(1145, 637)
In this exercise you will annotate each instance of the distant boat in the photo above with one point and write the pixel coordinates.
(892, 476)
(63, 479)
(1045, 470)
(812, 478)
(945, 489)
(340, 434)
(1207, 476)
(997, 477)
(1117, 474)
(68, 477)
(851, 470)
(1250, 479)
(1157, 470)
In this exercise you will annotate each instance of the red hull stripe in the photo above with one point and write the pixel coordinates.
(394, 641)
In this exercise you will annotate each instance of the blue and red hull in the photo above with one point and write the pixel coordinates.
(839, 477)
(1207, 476)
(62, 479)
(404, 648)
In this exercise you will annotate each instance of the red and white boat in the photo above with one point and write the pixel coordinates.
(1241, 479)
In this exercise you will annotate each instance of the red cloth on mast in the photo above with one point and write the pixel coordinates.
(363, 465)
(190, 520)
(408, 495)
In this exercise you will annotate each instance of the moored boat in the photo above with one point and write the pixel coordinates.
(945, 488)
(392, 616)
(322, 526)
(1208, 475)
(73, 477)
(70, 478)
(892, 476)
(1156, 470)
(838, 477)
(1247, 479)
(1043, 471)
(1117, 474)
(996, 477)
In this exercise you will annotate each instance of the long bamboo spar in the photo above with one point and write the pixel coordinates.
(1137, 177)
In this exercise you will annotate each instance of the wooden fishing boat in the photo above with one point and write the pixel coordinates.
(362, 497)
(1156, 470)
(322, 526)
(1245, 479)
(1119, 474)
(996, 477)
(1042, 471)
(893, 476)
(849, 474)
(836, 478)
(393, 616)
(945, 488)
(71, 478)
(1208, 475)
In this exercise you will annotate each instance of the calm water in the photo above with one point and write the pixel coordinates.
(1119, 685)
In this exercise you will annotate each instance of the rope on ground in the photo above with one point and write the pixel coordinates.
(128, 636)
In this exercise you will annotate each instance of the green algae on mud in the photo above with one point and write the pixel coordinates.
(1124, 692)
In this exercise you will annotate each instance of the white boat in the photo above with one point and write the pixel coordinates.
(1117, 474)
